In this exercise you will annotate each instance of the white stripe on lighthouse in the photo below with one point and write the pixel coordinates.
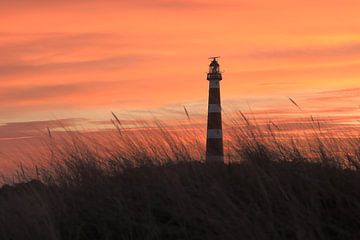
(214, 108)
(214, 133)
(214, 84)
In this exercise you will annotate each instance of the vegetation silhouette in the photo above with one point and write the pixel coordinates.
(155, 185)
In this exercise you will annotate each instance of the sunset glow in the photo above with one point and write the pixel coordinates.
(81, 60)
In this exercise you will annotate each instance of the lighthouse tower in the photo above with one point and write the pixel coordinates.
(214, 138)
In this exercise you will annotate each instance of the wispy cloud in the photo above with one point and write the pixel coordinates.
(43, 92)
(34, 128)
(166, 4)
(39, 52)
(337, 95)
(312, 51)
(69, 66)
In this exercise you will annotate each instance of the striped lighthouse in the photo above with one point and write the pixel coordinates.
(214, 136)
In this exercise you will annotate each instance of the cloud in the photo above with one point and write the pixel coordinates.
(14, 94)
(36, 45)
(171, 4)
(164, 4)
(10, 95)
(39, 52)
(337, 95)
(311, 51)
(30, 129)
(70, 66)
(64, 96)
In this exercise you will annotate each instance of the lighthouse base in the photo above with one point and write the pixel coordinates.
(214, 159)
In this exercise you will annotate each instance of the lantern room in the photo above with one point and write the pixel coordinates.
(214, 66)
(214, 70)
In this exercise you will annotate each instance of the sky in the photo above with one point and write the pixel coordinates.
(78, 61)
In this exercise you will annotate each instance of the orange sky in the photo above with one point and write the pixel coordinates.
(83, 59)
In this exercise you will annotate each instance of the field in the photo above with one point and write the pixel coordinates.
(155, 185)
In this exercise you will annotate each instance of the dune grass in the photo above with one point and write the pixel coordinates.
(155, 185)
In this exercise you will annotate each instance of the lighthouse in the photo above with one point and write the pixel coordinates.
(214, 135)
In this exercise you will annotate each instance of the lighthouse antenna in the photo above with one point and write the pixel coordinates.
(214, 57)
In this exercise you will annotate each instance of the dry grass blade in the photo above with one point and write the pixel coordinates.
(49, 132)
(293, 102)
(273, 124)
(244, 118)
(116, 118)
(187, 113)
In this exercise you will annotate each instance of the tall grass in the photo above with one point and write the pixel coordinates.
(153, 184)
